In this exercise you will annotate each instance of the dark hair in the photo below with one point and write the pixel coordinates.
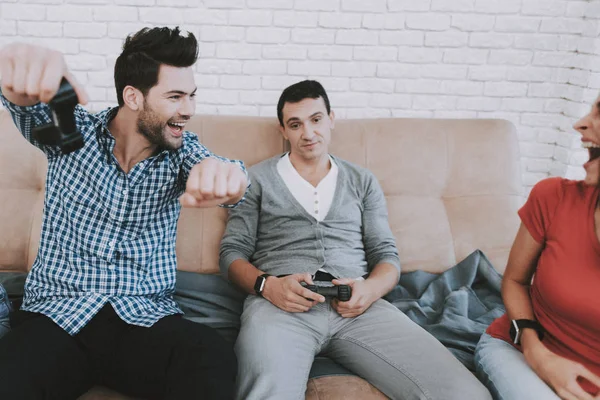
(144, 52)
(300, 91)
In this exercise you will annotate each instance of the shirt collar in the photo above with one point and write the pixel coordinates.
(106, 139)
(289, 167)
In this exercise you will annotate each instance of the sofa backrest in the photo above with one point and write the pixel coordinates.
(452, 186)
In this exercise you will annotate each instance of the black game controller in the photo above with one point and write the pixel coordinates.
(342, 292)
(62, 131)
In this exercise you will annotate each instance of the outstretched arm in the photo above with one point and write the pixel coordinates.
(214, 182)
(31, 76)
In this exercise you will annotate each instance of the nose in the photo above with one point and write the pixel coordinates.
(188, 107)
(308, 132)
(583, 124)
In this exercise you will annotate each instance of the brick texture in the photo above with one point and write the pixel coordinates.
(533, 62)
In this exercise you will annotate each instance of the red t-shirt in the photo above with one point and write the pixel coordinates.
(565, 293)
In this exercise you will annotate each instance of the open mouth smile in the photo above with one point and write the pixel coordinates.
(176, 128)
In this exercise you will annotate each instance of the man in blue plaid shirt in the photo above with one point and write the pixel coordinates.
(98, 306)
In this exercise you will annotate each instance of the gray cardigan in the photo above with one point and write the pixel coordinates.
(274, 232)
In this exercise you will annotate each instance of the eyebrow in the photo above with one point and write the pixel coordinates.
(180, 91)
(298, 119)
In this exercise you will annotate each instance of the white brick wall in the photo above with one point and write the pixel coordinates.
(533, 62)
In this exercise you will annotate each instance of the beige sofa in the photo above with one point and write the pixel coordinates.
(452, 186)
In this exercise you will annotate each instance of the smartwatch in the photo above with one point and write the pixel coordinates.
(517, 326)
(260, 283)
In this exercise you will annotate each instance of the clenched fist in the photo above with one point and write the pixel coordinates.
(213, 182)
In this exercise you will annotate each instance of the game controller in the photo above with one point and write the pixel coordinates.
(342, 292)
(62, 131)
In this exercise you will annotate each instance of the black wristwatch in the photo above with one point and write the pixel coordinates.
(259, 285)
(517, 326)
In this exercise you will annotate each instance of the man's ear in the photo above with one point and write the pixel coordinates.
(133, 98)
(282, 130)
(332, 118)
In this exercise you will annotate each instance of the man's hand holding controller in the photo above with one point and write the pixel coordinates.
(288, 294)
(31, 74)
(298, 292)
(341, 292)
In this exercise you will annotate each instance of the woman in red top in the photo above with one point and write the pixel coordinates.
(547, 346)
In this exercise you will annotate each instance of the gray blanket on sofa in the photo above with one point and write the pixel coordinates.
(455, 306)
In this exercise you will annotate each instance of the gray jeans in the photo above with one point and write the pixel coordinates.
(275, 351)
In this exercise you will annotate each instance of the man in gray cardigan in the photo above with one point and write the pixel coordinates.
(312, 217)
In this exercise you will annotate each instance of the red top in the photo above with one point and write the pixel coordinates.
(565, 291)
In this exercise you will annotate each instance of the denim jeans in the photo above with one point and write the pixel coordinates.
(5, 308)
(504, 371)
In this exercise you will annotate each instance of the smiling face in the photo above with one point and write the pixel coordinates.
(307, 126)
(589, 127)
(168, 106)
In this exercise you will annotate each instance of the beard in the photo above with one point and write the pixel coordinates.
(150, 125)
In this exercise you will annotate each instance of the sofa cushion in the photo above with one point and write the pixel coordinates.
(440, 177)
(342, 388)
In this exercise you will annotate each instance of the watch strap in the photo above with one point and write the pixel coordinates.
(517, 327)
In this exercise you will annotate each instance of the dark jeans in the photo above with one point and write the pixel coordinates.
(173, 359)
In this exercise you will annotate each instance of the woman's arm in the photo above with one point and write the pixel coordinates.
(521, 266)
(558, 372)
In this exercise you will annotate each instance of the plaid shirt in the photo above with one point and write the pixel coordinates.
(107, 236)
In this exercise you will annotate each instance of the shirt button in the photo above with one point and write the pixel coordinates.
(111, 267)
(316, 211)
(316, 201)
(112, 243)
(125, 191)
(316, 192)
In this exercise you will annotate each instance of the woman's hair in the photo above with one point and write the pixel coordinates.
(145, 51)
(300, 91)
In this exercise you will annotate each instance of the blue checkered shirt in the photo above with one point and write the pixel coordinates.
(107, 236)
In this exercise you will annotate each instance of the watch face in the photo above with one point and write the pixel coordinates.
(259, 285)
(514, 332)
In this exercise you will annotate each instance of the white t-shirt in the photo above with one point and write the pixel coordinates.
(315, 200)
